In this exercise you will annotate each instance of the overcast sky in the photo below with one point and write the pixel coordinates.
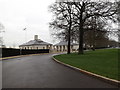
(16, 15)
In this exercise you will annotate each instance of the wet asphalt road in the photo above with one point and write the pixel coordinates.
(41, 71)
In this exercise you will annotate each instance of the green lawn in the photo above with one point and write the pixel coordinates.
(103, 62)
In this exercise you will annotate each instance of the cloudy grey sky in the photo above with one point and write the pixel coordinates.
(16, 15)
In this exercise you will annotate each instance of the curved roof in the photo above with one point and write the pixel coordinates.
(64, 43)
(35, 42)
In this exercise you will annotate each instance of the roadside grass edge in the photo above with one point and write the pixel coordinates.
(106, 79)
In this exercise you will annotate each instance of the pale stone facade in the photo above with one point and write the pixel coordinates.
(63, 46)
(36, 44)
(36, 47)
(39, 44)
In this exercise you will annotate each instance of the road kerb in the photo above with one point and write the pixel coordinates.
(111, 81)
(22, 56)
(26, 55)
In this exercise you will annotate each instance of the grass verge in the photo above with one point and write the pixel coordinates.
(103, 62)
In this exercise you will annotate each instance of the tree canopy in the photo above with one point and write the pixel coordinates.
(73, 18)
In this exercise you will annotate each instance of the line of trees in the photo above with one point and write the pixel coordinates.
(81, 20)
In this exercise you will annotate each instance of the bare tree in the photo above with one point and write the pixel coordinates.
(87, 9)
(1, 30)
(74, 16)
(118, 13)
(94, 29)
(63, 20)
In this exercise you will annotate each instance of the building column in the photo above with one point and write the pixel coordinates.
(57, 48)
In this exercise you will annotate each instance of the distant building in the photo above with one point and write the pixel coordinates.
(63, 46)
(2, 46)
(113, 43)
(36, 44)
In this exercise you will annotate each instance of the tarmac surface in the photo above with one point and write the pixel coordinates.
(40, 71)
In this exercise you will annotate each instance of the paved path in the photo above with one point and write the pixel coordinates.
(42, 72)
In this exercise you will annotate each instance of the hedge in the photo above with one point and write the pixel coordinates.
(6, 52)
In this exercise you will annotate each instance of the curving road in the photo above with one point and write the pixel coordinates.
(40, 71)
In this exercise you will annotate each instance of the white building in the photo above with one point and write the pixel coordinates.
(63, 46)
(36, 44)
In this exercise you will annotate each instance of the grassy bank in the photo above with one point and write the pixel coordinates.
(103, 62)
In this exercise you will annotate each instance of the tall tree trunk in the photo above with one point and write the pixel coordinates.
(93, 48)
(81, 32)
(94, 29)
(69, 32)
(81, 41)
